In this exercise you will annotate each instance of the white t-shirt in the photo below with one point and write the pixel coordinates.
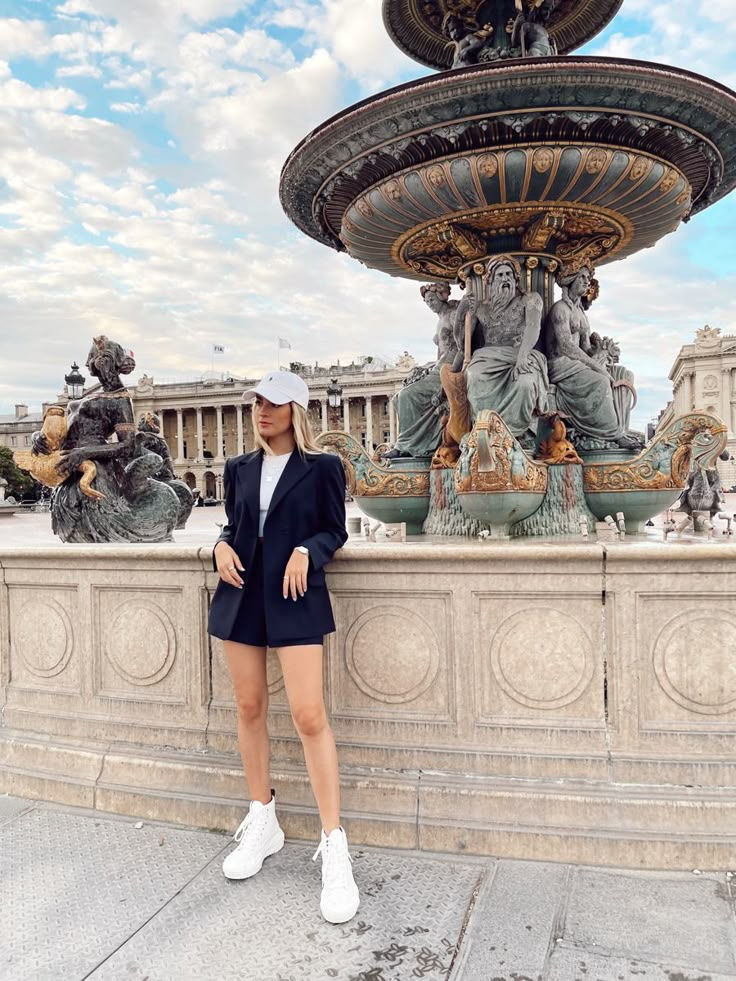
(271, 470)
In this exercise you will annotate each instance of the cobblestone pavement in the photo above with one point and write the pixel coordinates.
(91, 895)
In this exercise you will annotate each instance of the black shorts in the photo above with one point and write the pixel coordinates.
(250, 623)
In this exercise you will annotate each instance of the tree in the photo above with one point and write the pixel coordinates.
(19, 482)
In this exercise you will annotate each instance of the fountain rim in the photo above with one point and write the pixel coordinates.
(508, 68)
(523, 68)
(434, 44)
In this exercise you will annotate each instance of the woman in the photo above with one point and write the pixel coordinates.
(285, 506)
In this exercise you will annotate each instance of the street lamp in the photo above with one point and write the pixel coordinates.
(334, 400)
(75, 382)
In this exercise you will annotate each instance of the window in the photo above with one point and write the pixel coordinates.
(27, 440)
(386, 436)
(13, 440)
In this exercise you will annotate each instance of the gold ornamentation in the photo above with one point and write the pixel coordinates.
(542, 159)
(392, 190)
(43, 466)
(596, 161)
(492, 461)
(436, 177)
(458, 422)
(439, 248)
(695, 439)
(557, 448)
(368, 479)
(488, 165)
(668, 181)
(640, 168)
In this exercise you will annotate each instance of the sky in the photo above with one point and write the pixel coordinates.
(141, 143)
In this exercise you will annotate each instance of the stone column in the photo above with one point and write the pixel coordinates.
(690, 402)
(726, 396)
(200, 436)
(392, 420)
(346, 412)
(179, 436)
(240, 448)
(218, 413)
(325, 422)
(369, 423)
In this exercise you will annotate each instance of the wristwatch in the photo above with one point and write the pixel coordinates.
(303, 549)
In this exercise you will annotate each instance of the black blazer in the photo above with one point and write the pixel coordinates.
(307, 508)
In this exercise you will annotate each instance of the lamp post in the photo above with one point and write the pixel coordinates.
(75, 382)
(334, 400)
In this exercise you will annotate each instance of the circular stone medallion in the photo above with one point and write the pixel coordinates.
(140, 642)
(542, 658)
(43, 637)
(695, 661)
(392, 654)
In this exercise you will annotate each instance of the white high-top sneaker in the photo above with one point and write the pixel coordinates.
(258, 836)
(340, 897)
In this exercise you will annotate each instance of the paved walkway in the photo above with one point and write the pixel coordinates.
(86, 895)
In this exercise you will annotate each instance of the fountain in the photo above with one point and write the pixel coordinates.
(534, 693)
(524, 158)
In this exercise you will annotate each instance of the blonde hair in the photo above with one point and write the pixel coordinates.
(303, 433)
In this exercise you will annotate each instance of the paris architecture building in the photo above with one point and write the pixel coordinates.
(206, 421)
(704, 378)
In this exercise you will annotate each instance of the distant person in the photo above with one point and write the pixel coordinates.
(285, 508)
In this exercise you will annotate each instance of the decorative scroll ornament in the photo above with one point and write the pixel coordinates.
(689, 441)
(493, 461)
(366, 478)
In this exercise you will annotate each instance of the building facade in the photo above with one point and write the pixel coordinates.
(704, 379)
(205, 422)
(16, 430)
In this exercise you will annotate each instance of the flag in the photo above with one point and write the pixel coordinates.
(284, 343)
(218, 349)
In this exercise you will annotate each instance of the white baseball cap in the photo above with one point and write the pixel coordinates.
(280, 387)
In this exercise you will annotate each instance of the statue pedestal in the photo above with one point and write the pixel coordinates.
(537, 699)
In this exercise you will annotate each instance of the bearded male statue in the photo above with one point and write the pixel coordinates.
(505, 372)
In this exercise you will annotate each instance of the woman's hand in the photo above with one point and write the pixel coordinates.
(228, 565)
(295, 576)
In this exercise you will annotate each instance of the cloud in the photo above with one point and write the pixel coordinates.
(19, 38)
(146, 204)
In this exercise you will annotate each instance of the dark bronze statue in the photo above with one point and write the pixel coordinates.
(107, 474)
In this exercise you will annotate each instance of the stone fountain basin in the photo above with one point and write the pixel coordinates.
(622, 150)
(416, 27)
(392, 510)
(638, 506)
(500, 509)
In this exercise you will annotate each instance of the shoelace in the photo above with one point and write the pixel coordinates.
(249, 823)
(242, 827)
(332, 868)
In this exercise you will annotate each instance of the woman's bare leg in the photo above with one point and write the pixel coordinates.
(248, 671)
(302, 668)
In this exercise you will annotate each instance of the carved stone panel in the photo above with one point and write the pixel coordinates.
(137, 637)
(538, 658)
(393, 656)
(43, 647)
(687, 661)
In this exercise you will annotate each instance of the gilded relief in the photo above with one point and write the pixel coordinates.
(492, 460)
